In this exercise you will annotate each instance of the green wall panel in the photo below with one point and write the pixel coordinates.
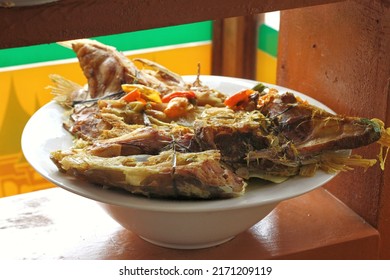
(194, 32)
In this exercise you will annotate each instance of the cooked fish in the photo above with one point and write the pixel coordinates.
(105, 68)
(197, 141)
(149, 140)
(163, 74)
(284, 137)
(168, 175)
(233, 133)
(313, 130)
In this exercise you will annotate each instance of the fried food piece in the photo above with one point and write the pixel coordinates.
(233, 133)
(313, 130)
(168, 175)
(105, 68)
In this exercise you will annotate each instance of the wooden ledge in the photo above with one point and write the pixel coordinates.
(56, 224)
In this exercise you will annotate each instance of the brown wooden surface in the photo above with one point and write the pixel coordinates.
(235, 46)
(339, 54)
(56, 224)
(73, 19)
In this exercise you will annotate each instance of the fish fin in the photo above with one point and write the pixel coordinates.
(64, 90)
(334, 162)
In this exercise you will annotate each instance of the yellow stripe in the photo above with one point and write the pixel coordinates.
(266, 67)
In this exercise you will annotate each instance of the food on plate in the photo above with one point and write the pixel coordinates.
(151, 133)
(168, 174)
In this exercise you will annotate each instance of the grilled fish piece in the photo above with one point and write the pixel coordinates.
(105, 68)
(313, 130)
(163, 74)
(149, 140)
(286, 137)
(167, 175)
(233, 133)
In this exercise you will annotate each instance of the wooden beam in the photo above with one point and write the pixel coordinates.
(72, 19)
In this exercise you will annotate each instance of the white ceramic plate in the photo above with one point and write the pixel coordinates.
(44, 133)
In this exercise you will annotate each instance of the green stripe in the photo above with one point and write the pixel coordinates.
(180, 34)
(33, 54)
(268, 40)
(194, 32)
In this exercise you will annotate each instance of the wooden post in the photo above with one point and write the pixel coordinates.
(339, 54)
(234, 47)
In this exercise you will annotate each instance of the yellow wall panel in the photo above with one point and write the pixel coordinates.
(266, 67)
(183, 61)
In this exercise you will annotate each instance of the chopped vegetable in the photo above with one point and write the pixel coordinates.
(259, 87)
(239, 99)
(147, 93)
(133, 95)
(267, 98)
(177, 107)
(186, 94)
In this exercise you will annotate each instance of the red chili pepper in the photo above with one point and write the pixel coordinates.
(239, 97)
(186, 94)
